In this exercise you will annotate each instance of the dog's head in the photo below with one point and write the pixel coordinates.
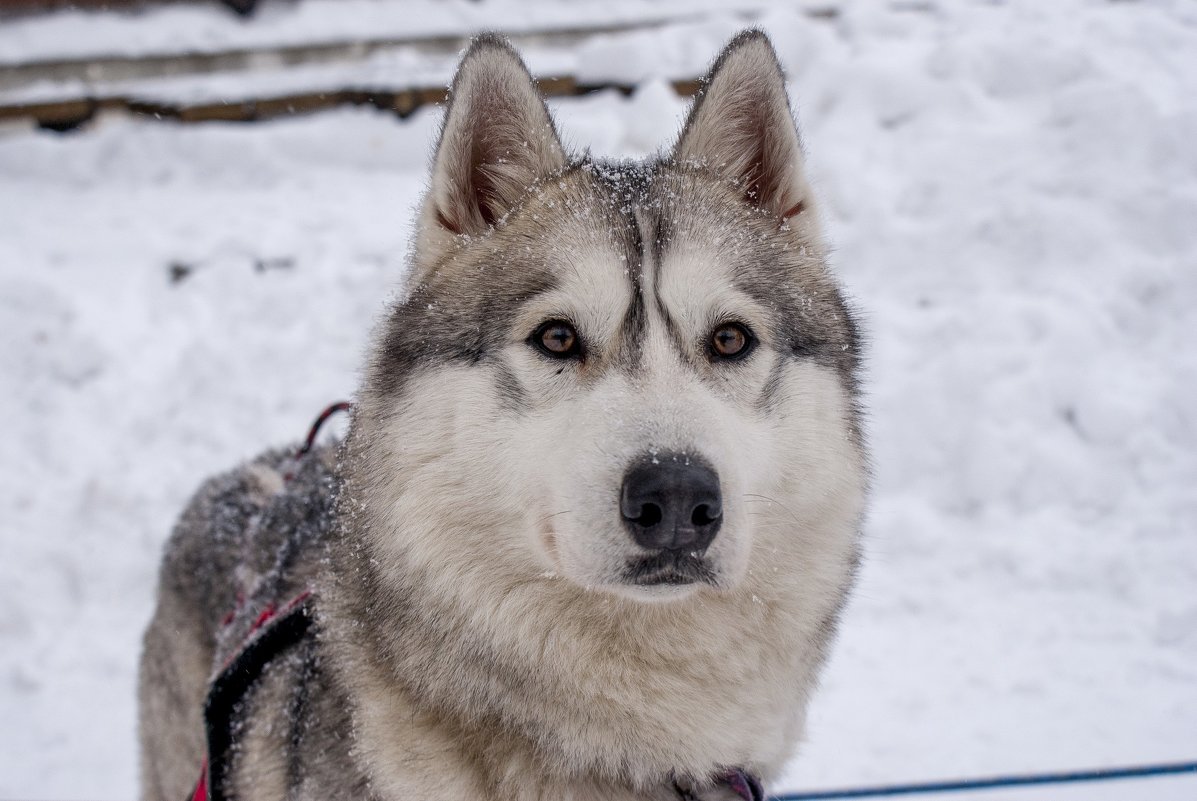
(636, 377)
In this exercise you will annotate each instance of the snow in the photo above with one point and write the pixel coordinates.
(1012, 189)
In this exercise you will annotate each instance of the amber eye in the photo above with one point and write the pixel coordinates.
(557, 339)
(731, 341)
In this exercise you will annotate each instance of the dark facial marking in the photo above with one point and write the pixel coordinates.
(671, 326)
(661, 231)
(635, 320)
(658, 223)
(511, 392)
(450, 319)
(627, 186)
(632, 330)
(767, 399)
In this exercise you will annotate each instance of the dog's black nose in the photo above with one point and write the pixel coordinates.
(672, 502)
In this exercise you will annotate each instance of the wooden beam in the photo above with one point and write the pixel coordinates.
(68, 114)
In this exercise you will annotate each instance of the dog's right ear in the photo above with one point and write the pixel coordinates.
(497, 140)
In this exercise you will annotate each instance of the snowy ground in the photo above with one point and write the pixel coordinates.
(1013, 192)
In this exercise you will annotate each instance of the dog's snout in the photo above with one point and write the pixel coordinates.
(672, 502)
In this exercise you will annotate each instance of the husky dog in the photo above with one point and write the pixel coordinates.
(597, 512)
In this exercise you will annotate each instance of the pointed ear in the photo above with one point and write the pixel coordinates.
(496, 141)
(741, 126)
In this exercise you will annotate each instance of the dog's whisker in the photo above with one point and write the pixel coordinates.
(752, 497)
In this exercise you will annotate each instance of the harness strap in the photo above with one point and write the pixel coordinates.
(273, 633)
(740, 782)
(310, 439)
(744, 785)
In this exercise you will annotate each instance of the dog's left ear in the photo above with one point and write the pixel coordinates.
(497, 140)
(740, 126)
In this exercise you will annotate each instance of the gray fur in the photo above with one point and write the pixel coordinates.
(468, 644)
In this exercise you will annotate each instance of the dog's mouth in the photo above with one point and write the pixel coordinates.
(669, 568)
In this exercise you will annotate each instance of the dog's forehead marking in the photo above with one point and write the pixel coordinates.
(687, 259)
(626, 186)
(671, 282)
(673, 256)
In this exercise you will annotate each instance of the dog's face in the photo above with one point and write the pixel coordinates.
(636, 377)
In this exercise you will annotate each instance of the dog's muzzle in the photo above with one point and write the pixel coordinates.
(672, 507)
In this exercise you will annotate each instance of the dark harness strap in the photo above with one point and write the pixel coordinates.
(272, 634)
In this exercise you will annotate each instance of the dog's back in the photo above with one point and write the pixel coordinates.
(246, 541)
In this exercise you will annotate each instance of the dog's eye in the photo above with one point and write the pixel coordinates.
(557, 339)
(731, 341)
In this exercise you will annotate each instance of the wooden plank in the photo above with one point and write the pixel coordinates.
(69, 114)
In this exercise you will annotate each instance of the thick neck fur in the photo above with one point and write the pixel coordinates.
(538, 687)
